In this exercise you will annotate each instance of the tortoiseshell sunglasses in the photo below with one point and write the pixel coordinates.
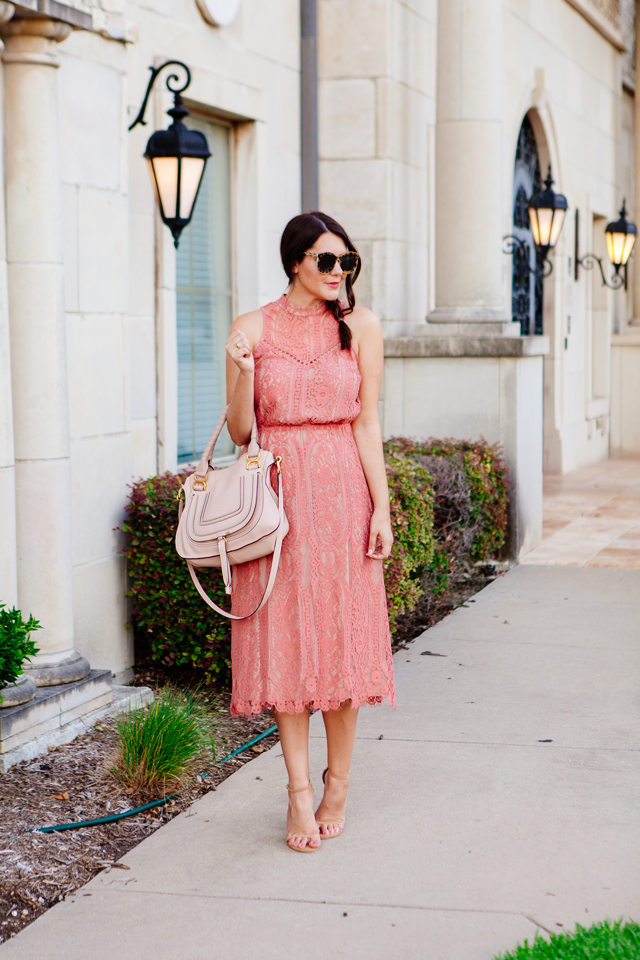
(327, 261)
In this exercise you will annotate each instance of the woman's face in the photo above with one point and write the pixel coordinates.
(321, 286)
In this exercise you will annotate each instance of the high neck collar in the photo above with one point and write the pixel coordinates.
(316, 310)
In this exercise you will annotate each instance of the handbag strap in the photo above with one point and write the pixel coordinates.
(205, 460)
(275, 562)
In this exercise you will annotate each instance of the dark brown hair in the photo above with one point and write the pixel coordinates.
(299, 235)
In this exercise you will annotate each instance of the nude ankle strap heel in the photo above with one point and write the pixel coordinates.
(333, 775)
(293, 832)
(337, 821)
(300, 789)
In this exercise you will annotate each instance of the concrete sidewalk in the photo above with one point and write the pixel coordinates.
(501, 798)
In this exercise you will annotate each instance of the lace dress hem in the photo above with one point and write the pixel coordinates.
(253, 708)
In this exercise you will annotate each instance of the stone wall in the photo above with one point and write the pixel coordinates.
(377, 64)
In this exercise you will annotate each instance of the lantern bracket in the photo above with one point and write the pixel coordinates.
(589, 260)
(172, 84)
(618, 280)
(514, 245)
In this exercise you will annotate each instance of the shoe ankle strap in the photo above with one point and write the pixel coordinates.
(334, 777)
(300, 789)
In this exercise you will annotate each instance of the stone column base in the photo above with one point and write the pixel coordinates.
(13, 694)
(73, 668)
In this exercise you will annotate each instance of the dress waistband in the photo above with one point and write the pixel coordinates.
(308, 425)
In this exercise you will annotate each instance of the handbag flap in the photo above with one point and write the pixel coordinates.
(227, 504)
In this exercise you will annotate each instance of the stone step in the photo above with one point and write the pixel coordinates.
(59, 714)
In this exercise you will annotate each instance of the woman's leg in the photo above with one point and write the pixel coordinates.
(302, 830)
(340, 726)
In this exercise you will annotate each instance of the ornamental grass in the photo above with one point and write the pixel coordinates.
(157, 743)
(603, 941)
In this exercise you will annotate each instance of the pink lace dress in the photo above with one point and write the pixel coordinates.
(323, 637)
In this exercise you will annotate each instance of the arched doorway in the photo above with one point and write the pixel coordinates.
(526, 287)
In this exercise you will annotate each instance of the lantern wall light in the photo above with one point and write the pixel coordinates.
(547, 210)
(177, 156)
(620, 236)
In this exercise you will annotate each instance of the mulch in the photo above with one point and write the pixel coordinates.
(72, 783)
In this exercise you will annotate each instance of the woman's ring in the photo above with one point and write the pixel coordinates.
(238, 346)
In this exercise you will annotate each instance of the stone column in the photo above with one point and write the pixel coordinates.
(469, 287)
(8, 572)
(636, 110)
(38, 352)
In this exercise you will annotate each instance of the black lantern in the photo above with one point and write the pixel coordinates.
(621, 237)
(547, 211)
(177, 156)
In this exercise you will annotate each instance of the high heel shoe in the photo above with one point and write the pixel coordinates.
(334, 821)
(291, 833)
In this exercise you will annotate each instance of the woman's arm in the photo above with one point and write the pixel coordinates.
(244, 336)
(367, 337)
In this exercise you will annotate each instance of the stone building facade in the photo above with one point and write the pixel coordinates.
(430, 117)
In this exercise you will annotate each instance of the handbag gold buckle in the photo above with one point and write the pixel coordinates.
(199, 483)
(253, 461)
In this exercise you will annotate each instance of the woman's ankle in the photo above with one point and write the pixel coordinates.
(298, 784)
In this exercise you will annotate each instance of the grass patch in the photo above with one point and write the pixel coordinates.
(158, 743)
(603, 941)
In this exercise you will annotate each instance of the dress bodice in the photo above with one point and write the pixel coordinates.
(302, 374)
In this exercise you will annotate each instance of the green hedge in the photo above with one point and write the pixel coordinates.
(166, 611)
(448, 511)
(467, 497)
(411, 499)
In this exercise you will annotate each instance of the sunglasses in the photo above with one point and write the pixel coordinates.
(327, 261)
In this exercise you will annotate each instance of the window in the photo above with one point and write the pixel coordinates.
(526, 287)
(203, 295)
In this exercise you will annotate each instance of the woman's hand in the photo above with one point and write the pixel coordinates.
(380, 536)
(239, 349)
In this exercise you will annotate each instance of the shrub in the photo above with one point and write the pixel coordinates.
(411, 497)
(157, 743)
(167, 611)
(470, 504)
(448, 511)
(16, 644)
(613, 941)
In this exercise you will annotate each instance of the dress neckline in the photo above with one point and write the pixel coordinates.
(293, 310)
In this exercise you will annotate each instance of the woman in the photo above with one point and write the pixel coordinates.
(311, 367)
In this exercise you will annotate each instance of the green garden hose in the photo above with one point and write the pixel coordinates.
(147, 806)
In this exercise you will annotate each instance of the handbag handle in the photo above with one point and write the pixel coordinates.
(275, 562)
(205, 460)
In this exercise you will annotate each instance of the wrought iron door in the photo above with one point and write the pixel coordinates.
(526, 287)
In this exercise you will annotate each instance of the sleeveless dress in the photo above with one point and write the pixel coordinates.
(323, 637)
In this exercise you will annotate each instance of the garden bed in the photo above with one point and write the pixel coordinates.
(72, 783)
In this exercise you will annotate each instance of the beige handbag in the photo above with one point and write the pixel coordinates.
(231, 515)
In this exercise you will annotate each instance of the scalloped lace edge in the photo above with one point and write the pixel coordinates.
(252, 708)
